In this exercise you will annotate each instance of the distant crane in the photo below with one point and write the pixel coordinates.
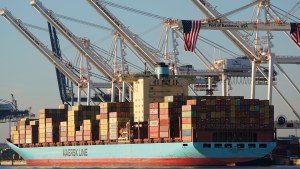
(9, 111)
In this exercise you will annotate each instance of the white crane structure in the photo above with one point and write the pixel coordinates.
(254, 53)
(65, 67)
(132, 39)
(96, 59)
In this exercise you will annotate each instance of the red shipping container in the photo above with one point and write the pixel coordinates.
(153, 134)
(164, 111)
(87, 133)
(186, 138)
(163, 122)
(103, 116)
(103, 111)
(154, 105)
(187, 120)
(164, 128)
(153, 117)
(49, 140)
(112, 114)
(163, 134)
(48, 120)
(71, 138)
(164, 116)
(153, 128)
(63, 133)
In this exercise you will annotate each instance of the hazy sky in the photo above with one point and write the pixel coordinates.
(27, 74)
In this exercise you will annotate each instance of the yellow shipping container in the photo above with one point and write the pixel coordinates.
(42, 140)
(16, 137)
(49, 129)
(87, 127)
(103, 132)
(165, 105)
(71, 133)
(71, 128)
(112, 120)
(48, 125)
(186, 126)
(63, 123)
(86, 121)
(103, 121)
(103, 127)
(28, 136)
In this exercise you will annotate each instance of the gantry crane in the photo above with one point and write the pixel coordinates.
(131, 38)
(66, 68)
(87, 52)
(96, 59)
(251, 51)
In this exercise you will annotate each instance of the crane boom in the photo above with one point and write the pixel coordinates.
(233, 35)
(52, 57)
(130, 38)
(99, 62)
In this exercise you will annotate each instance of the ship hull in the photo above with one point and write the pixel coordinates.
(152, 154)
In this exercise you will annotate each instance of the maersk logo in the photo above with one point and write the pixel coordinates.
(75, 152)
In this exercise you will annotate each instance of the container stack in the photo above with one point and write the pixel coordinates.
(79, 135)
(165, 116)
(63, 131)
(154, 120)
(189, 121)
(22, 126)
(113, 126)
(49, 121)
(32, 132)
(87, 130)
(14, 134)
(105, 108)
(76, 119)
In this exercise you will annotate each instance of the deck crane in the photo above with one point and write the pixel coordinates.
(135, 42)
(64, 67)
(96, 59)
(243, 45)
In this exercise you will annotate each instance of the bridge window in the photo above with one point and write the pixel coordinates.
(262, 145)
(228, 145)
(206, 145)
(241, 145)
(251, 145)
(218, 145)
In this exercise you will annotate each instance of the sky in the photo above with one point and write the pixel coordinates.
(27, 74)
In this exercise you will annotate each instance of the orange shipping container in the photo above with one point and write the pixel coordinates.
(164, 128)
(154, 128)
(154, 105)
(164, 116)
(164, 111)
(163, 122)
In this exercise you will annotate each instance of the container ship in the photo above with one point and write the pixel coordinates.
(162, 126)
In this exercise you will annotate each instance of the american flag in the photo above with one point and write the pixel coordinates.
(295, 33)
(190, 32)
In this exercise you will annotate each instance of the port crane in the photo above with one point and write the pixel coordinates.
(64, 67)
(63, 85)
(180, 70)
(96, 59)
(252, 52)
(9, 111)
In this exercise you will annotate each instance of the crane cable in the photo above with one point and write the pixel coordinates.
(282, 11)
(134, 10)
